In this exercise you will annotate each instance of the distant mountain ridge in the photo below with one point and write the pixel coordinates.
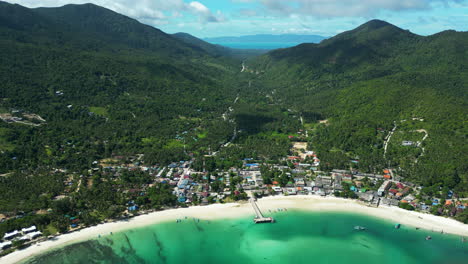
(217, 50)
(284, 38)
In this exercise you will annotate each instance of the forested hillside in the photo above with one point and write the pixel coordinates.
(365, 79)
(102, 79)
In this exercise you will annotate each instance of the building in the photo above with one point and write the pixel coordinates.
(407, 143)
(5, 245)
(29, 229)
(291, 191)
(384, 187)
(11, 235)
(366, 196)
(277, 189)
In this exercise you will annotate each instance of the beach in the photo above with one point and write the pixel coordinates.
(244, 209)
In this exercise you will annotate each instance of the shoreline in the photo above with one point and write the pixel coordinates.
(235, 210)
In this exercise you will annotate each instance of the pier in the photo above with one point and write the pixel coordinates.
(259, 218)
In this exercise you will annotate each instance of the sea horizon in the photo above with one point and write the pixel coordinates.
(257, 45)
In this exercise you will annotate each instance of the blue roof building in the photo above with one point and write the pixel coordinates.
(133, 208)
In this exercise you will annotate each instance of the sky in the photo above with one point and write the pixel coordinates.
(213, 18)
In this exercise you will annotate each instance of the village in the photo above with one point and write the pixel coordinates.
(297, 174)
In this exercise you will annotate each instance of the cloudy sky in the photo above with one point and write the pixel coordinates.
(209, 18)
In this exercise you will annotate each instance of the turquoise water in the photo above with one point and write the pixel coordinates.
(296, 237)
(258, 45)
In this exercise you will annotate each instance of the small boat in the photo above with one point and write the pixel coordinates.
(397, 226)
(428, 238)
(359, 228)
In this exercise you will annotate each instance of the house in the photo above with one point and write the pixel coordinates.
(338, 178)
(277, 189)
(425, 207)
(384, 187)
(11, 235)
(366, 196)
(291, 191)
(410, 198)
(29, 229)
(326, 180)
(400, 185)
(299, 182)
(347, 177)
(5, 245)
(133, 208)
(318, 182)
(407, 143)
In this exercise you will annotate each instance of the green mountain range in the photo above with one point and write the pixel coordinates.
(108, 85)
(365, 79)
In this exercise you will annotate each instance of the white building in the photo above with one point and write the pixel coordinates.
(5, 245)
(11, 235)
(29, 229)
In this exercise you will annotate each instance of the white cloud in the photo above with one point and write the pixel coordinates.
(205, 15)
(155, 12)
(345, 8)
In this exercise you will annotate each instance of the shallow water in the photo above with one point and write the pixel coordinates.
(296, 237)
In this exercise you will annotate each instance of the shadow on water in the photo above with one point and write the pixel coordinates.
(160, 247)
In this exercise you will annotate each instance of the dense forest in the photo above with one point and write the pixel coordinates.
(80, 83)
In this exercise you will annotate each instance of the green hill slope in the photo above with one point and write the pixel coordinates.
(365, 79)
(106, 81)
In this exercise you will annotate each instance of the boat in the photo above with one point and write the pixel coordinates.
(397, 226)
(428, 238)
(359, 228)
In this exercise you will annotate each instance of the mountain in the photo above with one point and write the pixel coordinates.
(365, 81)
(285, 38)
(88, 70)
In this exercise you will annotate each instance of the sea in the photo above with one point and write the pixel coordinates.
(296, 237)
(257, 45)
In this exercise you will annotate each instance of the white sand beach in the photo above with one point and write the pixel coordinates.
(233, 210)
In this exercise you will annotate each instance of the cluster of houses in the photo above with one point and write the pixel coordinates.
(199, 187)
(25, 234)
(17, 116)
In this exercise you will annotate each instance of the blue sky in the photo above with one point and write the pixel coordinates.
(210, 18)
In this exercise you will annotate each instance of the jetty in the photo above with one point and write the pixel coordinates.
(259, 218)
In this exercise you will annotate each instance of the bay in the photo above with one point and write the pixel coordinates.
(296, 237)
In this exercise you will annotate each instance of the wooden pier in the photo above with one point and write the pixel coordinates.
(259, 218)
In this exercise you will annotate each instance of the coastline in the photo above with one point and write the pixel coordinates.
(235, 210)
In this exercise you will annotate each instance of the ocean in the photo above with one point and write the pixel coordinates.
(296, 237)
(257, 45)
